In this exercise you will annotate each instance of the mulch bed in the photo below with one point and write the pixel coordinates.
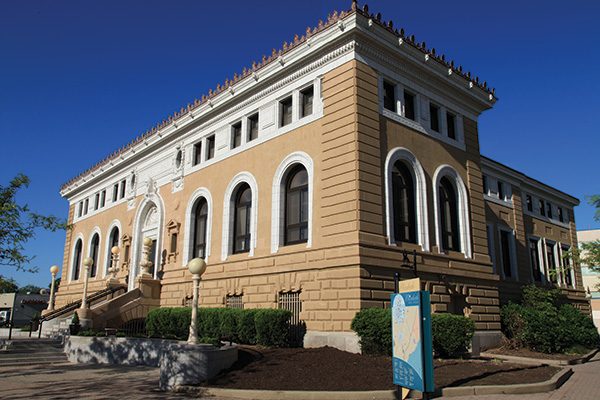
(534, 354)
(329, 369)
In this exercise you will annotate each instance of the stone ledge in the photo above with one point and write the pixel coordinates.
(552, 384)
(527, 388)
(539, 361)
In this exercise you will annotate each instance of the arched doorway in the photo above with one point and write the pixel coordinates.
(149, 224)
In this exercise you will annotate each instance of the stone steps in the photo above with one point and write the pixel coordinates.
(32, 352)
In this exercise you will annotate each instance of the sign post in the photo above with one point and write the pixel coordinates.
(412, 355)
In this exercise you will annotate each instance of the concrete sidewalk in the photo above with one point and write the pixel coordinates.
(583, 385)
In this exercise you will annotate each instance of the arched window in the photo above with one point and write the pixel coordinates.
(296, 206)
(449, 215)
(77, 259)
(113, 240)
(94, 254)
(200, 228)
(241, 219)
(403, 191)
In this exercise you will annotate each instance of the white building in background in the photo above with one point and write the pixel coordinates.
(591, 279)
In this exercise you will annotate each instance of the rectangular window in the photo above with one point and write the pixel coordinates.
(80, 211)
(115, 192)
(490, 242)
(434, 117)
(173, 247)
(534, 257)
(505, 247)
(566, 263)
(561, 216)
(389, 96)
(85, 207)
(236, 135)
(234, 301)
(210, 147)
(529, 202)
(123, 187)
(197, 153)
(285, 107)
(103, 198)
(409, 105)
(551, 262)
(96, 201)
(451, 124)
(542, 205)
(306, 100)
(549, 209)
(253, 127)
(486, 187)
(500, 190)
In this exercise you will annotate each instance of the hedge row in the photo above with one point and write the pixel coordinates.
(268, 327)
(542, 322)
(451, 333)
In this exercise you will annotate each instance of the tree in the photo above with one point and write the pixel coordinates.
(7, 285)
(589, 255)
(18, 225)
(30, 289)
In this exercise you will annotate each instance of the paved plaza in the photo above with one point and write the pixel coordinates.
(76, 381)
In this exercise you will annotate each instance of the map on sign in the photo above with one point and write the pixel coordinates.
(406, 340)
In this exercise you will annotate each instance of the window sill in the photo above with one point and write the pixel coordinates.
(505, 203)
(546, 219)
(420, 128)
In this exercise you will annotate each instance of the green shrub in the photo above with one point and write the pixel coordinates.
(246, 326)
(452, 334)
(374, 329)
(269, 327)
(75, 319)
(542, 324)
(272, 327)
(228, 326)
(169, 323)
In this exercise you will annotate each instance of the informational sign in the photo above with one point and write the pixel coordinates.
(411, 340)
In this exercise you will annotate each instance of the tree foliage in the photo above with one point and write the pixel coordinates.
(30, 289)
(7, 285)
(589, 255)
(18, 225)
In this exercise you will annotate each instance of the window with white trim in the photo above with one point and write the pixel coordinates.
(210, 147)
(252, 127)
(434, 117)
(507, 253)
(285, 111)
(76, 268)
(296, 206)
(197, 153)
(236, 135)
(306, 101)
(534, 259)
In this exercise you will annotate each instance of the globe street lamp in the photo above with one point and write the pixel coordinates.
(53, 271)
(197, 267)
(87, 263)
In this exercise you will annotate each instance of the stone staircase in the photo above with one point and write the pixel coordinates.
(22, 352)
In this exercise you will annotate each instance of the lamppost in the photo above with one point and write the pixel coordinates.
(197, 266)
(87, 263)
(53, 271)
(114, 268)
(146, 264)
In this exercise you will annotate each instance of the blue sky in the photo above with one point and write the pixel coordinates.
(78, 79)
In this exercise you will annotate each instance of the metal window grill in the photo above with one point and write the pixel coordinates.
(291, 301)
(234, 301)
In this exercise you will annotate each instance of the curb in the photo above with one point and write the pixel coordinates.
(527, 388)
(539, 361)
(244, 394)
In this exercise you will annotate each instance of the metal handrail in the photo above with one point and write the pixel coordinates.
(76, 304)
